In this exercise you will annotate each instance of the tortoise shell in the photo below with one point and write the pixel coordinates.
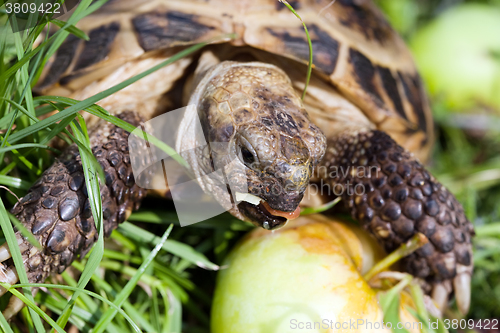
(355, 51)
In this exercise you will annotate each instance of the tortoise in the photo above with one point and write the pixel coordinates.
(365, 108)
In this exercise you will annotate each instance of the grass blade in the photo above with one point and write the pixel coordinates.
(25, 232)
(94, 196)
(309, 43)
(103, 114)
(99, 96)
(33, 306)
(179, 249)
(28, 145)
(4, 325)
(14, 182)
(319, 209)
(71, 29)
(18, 262)
(389, 302)
(404, 250)
(75, 289)
(123, 295)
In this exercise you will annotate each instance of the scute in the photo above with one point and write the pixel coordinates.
(362, 18)
(325, 48)
(364, 74)
(413, 90)
(158, 30)
(391, 88)
(363, 57)
(63, 58)
(98, 46)
(123, 31)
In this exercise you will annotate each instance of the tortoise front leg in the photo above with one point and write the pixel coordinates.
(57, 211)
(393, 196)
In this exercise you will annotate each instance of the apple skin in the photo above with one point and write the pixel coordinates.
(458, 54)
(308, 271)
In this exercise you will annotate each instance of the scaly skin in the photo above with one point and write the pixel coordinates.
(57, 211)
(393, 197)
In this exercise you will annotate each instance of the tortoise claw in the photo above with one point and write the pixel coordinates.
(5, 252)
(431, 307)
(461, 286)
(440, 294)
(8, 275)
(13, 307)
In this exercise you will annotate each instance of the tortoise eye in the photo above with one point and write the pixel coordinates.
(247, 156)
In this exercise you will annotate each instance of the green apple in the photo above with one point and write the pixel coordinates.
(458, 55)
(306, 277)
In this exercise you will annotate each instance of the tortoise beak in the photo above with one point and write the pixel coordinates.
(288, 215)
(264, 215)
(259, 216)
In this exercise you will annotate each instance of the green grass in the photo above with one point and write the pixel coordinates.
(148, 277)
(476, 182)
(165, 285)
(468, 163)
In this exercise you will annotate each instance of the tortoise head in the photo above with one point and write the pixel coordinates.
(264, 140)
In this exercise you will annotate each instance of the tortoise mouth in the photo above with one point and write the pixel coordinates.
(259, 215)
